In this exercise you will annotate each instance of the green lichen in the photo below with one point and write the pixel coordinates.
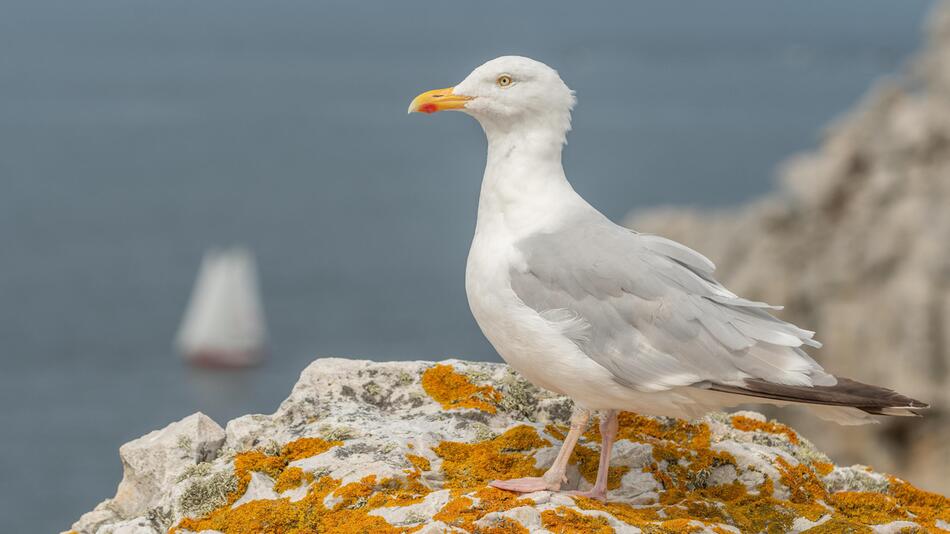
(404, 378)
(337, 433)
(520, 398)
(203, 496)
(159, 517)
(202, 469)
(184, 442)
(850, 479)
(483, 432)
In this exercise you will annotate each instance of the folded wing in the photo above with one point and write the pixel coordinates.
(649, 310)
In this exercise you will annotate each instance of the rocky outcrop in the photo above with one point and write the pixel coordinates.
(856, 245)
(410, 446)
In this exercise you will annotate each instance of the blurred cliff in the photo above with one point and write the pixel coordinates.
(856, 245)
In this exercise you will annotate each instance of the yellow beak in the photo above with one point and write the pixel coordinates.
(438, 100)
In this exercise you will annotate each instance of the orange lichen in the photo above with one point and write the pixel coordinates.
(453, 390)
(629, 514)
(348, 514)
(264, 515)
(636, 427)
(355, 494)
(273, 466)
(802, 482)
(394, 492)
(306, 447)
(504, 526)
(870, 508)
(927, 507)
(823, 468)
(748, 424)
(419, 462)
(563, 520)
(291, 478)
(369, 493)
(837, 525)
(509, 455)
(679, 525)
(249, 461)
(464, 511)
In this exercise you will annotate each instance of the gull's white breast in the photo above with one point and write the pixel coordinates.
(532, 345)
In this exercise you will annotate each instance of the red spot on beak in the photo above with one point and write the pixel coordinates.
(428, 107)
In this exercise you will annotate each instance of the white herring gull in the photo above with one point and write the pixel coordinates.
(614, 319)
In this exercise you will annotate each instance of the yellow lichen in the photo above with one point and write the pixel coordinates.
(509, 455)
(464, 511)
(453, 390)
(246, 462)
(870, 508)
(393, 492)
(748, 424)
(629, 514)
(563, 520)
(837, 525)
(505, 525)
(823, 468)
(927, 507)
(306, 447)
(291, 478)
(679, 525)
(419, 462)
(348, 514)
(369, 493)
(802, 482)
(273, 466)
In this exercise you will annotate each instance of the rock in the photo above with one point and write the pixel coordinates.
(856, 245)
(151, 464)
(398, 446)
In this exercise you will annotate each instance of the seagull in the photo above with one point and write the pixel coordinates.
(613, 318)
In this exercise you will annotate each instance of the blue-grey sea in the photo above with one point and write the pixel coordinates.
(136, 134)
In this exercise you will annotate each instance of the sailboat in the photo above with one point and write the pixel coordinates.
(224, 324)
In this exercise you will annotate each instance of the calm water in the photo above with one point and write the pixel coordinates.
(134, 135)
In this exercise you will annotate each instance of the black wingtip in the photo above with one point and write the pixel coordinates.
(871, 399)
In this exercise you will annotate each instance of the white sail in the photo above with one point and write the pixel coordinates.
(224, 324)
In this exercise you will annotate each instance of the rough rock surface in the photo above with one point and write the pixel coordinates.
(409, 447)
(856, 245)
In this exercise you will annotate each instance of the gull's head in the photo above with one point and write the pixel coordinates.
(504, 92)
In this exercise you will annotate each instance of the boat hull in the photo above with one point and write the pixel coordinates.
(224, 359)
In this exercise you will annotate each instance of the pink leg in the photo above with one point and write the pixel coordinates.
(608, 432)
(555, 476)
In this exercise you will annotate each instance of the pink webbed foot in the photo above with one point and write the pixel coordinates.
(525, 485)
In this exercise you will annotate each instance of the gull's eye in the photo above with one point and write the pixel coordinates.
(504, 80)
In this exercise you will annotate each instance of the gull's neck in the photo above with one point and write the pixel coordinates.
(524, 182)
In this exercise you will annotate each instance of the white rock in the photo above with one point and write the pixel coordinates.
(526, 516)
(132, 526)
(155, 461)
(260, 487)
(413, 513)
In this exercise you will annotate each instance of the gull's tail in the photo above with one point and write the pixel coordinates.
(846, 393)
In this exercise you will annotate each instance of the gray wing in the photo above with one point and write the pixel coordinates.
(649, 310)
